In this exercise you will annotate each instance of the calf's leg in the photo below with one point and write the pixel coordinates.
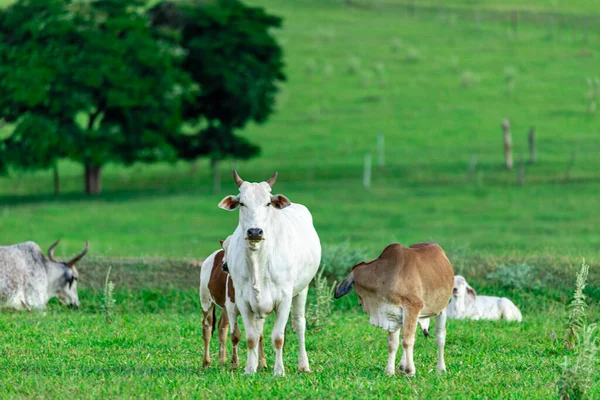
(299, 324)
(393, 343)
(207, 323)
(440, 339)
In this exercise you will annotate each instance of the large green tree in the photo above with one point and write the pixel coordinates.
(233, 57)
(87, 81)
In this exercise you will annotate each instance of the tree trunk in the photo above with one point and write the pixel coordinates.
(56, 180)
(93, 179)
(216, 171)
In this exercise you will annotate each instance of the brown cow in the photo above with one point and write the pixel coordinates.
(216, 288)
(401, 286)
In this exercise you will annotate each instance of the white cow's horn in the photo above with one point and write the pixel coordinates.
(237, 178)
(272, 179)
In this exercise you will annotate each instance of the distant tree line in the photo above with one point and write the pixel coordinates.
(111, 81)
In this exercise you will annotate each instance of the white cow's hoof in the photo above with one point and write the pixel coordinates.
(390, 372)
(279, 371)
(305, 369)
(249, 370)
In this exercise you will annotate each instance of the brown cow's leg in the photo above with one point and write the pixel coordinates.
(393, 342)
(262, 361)
(207, 323)
(223, 330)
(440, 339)
(410, 316)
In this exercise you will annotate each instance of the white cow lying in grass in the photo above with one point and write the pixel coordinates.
(466, 304)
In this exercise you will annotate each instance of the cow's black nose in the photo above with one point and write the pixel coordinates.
(255, 233)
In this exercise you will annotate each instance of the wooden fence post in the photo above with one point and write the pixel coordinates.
(507, 144)
(531, 140)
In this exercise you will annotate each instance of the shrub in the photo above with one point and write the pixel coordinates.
(468, 79)
(321, 308)
(412, 55)
(521, 276)
(337, 260)
(353, 65)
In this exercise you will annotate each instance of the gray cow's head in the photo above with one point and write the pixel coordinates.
(64, 285)
(256, 207)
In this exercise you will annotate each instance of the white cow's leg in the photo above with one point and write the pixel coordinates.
(283, 314)
(440, 339)
(299, 324)
(393, 343)
(254, 327)
(223, 331)
(410, 317)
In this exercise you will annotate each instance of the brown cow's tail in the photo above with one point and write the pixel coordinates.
(214, 320)
(345, 286)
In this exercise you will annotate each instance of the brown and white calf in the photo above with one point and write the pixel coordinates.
(216, 288)
(402, 285)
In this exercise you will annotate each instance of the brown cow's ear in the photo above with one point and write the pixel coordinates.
(229, 203)
(221, 242)
(471, 291)
(280, 202)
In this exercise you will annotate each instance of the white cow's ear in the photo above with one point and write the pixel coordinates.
(229, 203)
(471, 291)
(280, 202)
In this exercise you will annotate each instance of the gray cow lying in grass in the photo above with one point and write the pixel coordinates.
(28, 280)
(467, 304)
(401, 286)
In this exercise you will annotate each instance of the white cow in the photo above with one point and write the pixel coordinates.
(272, 257)
(466, 304)
(28, 280)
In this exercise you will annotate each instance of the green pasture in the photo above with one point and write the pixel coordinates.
(153, 347)
(437, 90)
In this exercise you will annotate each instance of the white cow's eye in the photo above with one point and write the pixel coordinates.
(268, 204)
(242, 205)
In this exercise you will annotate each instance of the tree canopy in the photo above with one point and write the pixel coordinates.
(95, 82)
(237, 63)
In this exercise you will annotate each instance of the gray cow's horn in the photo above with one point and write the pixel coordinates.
(51, 251)
(237, 178)
(272, 179)
(78, 257)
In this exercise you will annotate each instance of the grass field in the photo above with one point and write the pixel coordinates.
(437, 90)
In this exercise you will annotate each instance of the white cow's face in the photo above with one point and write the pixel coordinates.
(462, 288)
(256, 205)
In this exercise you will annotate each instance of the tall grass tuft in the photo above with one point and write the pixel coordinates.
(577, 308)
(108, 302)
(323, 304)
(578, 375)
